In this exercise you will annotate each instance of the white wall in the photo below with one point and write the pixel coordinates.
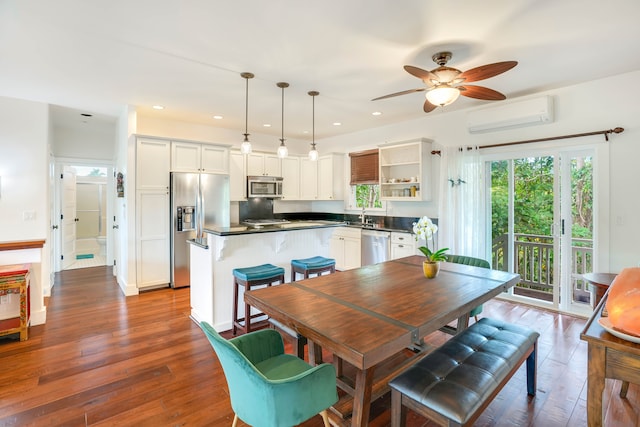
(124, 235)
(83, 144)
(24, 188)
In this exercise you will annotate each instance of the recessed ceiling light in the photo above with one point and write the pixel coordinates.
(267, 125)
(305, 131)
(377, 113)
(158, 107)
(217, 117)
(337, 124)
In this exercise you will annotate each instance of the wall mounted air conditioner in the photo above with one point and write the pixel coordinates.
(531, 112)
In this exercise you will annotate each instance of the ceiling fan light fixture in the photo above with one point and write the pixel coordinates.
(442, 95)
(313, 153)
(245, 147)
(446, 74)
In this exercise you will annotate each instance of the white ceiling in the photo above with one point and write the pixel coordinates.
(98, 56)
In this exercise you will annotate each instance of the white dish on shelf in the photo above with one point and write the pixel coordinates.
(606, 324)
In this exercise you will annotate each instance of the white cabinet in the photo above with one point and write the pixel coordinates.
(344, 247)
(190, 157)
(263, 164)
(405, 173)
(237, 176)
(330, 177)
(153, 157)
(152, 242)
(153, 161)
(308, 179)
(322, 179)
(291, 178)
(402, 245)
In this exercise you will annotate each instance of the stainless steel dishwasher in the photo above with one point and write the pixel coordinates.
(375, 246)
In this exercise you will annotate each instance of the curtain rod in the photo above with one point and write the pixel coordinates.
(552, 138)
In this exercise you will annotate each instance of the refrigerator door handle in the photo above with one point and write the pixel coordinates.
(199, 210)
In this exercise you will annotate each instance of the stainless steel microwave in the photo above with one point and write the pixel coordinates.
(264, 186)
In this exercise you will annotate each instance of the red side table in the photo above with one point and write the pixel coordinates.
(14, 279)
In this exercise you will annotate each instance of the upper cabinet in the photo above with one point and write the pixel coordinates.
(405, 174)
(308, 179)
(322, 179)
(263, 164)
(237, 176)
(291, 178)
(190, 157)
(153, 158)
(330, 177)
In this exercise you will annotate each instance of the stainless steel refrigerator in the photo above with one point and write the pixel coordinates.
(198, 201)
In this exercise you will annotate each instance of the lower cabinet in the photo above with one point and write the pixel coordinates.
(402, 245)
(344, 246)
(152, 248)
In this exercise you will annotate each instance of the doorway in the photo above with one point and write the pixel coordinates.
(84, 212)
(542, 226)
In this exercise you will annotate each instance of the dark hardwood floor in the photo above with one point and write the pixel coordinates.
(106, 359)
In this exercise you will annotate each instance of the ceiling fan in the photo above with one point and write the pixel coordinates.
(444, 84)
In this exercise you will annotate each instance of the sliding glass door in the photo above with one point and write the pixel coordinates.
(542, 225)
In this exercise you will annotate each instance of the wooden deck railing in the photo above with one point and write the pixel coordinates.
(533, 260)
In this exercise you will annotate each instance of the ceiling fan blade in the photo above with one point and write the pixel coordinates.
(479, 92)
(486, 71)
(404, 92)
(428, 107)
(424, 75)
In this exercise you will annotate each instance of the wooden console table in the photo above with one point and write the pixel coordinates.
(14, 279)
(609, 357)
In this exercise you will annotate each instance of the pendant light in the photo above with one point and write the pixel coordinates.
(245, 147)
(282, 149)
(313, 153)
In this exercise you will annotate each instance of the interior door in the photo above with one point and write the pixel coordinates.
(68, 216)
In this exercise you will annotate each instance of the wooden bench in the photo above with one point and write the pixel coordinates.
(457, 381)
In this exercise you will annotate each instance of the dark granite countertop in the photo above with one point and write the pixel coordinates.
(235, 229)
(201, 243)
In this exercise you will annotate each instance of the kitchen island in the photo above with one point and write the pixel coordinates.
(223, 249)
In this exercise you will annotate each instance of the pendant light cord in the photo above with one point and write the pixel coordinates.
(282, 128)
(313, 121)
(246, 111)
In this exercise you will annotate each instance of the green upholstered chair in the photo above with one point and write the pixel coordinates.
(476, 262)
(269, 388)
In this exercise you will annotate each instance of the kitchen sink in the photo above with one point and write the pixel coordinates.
(364, 225)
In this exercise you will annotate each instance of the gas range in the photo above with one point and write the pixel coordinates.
(259, 223)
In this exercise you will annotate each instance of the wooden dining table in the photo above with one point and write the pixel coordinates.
(374, 318)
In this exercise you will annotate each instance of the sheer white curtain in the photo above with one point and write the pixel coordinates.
(462, 218)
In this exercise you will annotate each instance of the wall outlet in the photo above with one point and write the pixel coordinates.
(4, 299)
(29, 215)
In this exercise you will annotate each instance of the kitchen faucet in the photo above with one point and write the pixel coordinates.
(362, 216)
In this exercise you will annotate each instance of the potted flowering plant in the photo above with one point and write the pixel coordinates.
(426, 229)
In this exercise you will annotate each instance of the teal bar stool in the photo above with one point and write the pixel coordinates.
(265, 274)
(314, 265)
